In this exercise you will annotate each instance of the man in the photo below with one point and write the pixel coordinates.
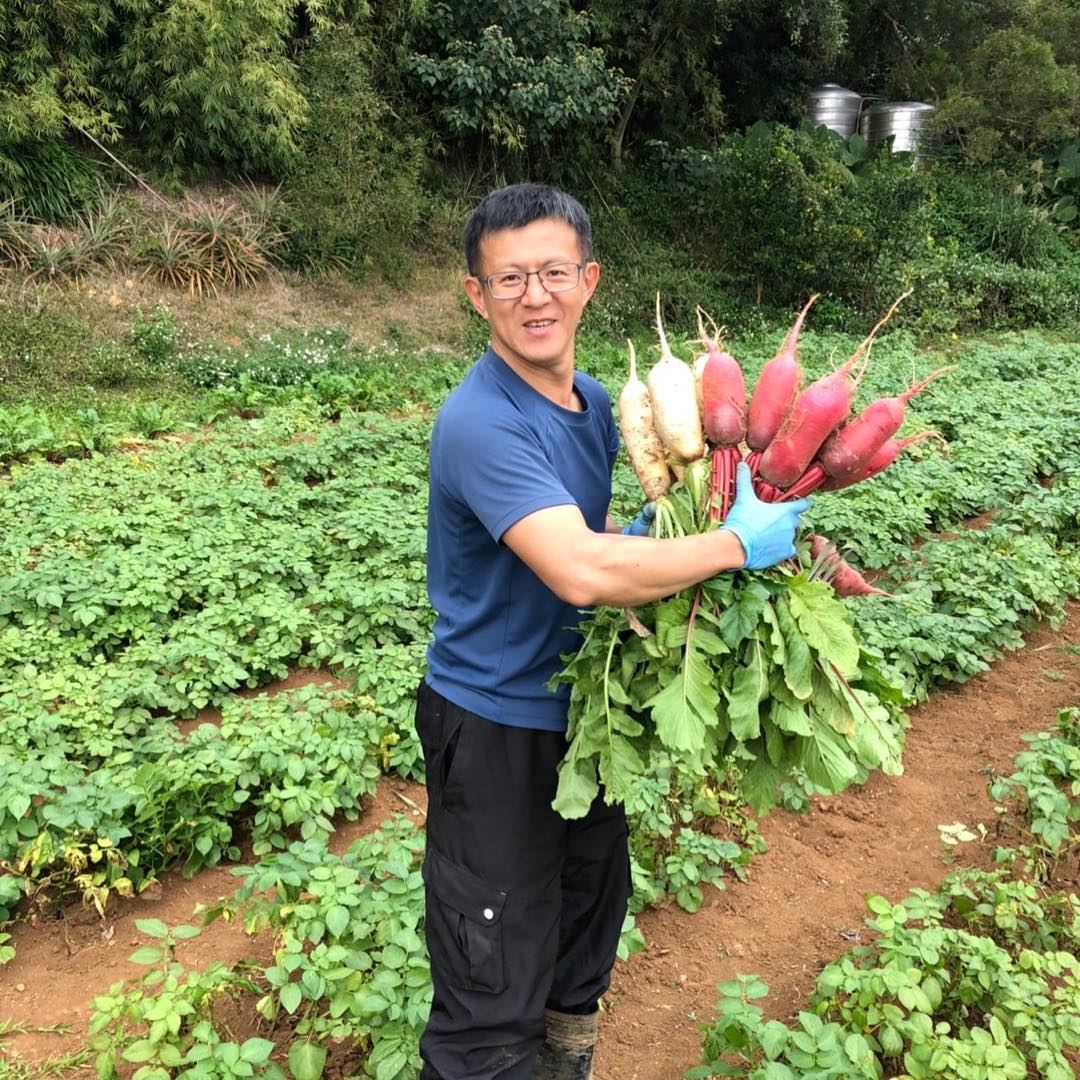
(524, 909)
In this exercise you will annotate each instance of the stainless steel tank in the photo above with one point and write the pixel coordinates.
(904, 121)
(834, 107)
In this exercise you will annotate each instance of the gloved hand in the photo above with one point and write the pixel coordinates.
(641, 525)
(765, 530)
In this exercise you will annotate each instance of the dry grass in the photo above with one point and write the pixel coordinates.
(424, 310)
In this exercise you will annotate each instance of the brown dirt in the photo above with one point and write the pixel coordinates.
(803, 904)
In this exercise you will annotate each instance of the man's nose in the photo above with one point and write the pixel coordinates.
(535, 293)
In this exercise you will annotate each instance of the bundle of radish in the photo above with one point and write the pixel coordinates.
(762, 669)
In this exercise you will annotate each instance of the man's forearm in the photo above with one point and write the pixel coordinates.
(622, 571)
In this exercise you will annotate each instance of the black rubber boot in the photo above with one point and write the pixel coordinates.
(568, 1049)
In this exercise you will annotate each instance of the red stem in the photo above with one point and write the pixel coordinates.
(809, 482)
(718, 459)
(733, 458)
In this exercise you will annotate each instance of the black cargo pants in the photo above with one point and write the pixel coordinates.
(524, 909)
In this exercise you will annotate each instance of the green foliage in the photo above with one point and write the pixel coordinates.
(760, 670)
(355, 196)
(349, 964)
(1045, 787)
(687, 834)
(978, 980)
(155, 336)
(137, 640)
(165, 1020)
(515, 75)
(50, 180)
(1011, 95)
(786, 214)
(199, 84)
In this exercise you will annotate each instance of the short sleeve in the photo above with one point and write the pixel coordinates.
(601, 403)
(612, 436)
(499, 469)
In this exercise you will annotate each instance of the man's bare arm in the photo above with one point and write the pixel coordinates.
(587, 568)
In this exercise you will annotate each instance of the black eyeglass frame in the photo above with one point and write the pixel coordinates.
(580, 267)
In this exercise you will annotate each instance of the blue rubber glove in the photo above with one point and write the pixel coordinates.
(641, 525)
(765, 530)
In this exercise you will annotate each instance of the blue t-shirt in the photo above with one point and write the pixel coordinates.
(499, 452)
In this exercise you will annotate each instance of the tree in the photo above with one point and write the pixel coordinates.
(514, 76)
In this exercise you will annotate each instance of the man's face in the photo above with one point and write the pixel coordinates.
(536, 329)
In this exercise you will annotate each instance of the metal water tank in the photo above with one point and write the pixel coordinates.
(904, 121)
(834, 107)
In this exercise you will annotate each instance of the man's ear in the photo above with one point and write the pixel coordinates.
(474, 290)
(591, 276)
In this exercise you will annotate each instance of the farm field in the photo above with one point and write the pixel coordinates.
(153, 595)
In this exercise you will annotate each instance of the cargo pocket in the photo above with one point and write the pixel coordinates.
(469, 930)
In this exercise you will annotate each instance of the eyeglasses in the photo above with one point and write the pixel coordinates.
(510, 284)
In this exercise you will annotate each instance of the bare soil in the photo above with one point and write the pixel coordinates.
(802, 906)
(804, 902)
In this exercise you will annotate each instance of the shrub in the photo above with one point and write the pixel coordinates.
(49, 179)
(154, 338)
(784, 212)
(957, 291)
(355, 196)
(995, 215)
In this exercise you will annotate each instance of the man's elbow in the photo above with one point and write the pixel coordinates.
(581, 586)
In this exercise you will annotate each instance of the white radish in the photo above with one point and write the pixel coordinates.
(642, 443)
(673, 394)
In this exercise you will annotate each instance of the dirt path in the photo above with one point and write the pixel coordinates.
(804, 900)
(800, 908)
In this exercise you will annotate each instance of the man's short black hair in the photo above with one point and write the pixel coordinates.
(519, 205)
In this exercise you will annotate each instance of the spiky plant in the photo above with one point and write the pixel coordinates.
(106, 228)
(56, 255)
(15, 235)
(167, 252)
(227, 242)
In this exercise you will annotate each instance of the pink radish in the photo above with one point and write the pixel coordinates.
(642, 443)
(723, 393)
(817, 411)
(880, 461)
(847, 450)
(841, 575)
(776, 388)
(674, 402)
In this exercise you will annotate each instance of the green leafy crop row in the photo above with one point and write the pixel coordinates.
(138, 588)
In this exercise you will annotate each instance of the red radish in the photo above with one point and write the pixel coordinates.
(841, 575)
(847, 450)
(817, 411)
(674, 402)
(723, 393)
(881, 460)
(642, 443)
(776, 388)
